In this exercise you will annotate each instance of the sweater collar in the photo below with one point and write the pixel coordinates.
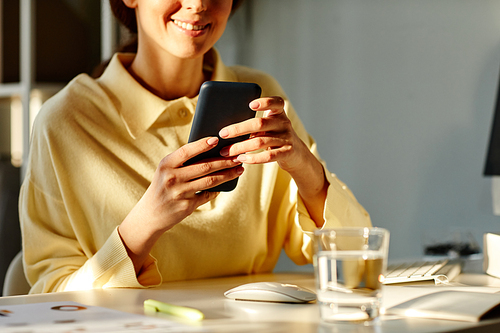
(138, 107)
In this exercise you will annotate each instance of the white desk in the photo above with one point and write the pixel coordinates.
(224, 315)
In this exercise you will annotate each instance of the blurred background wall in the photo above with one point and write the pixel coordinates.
(399, 95)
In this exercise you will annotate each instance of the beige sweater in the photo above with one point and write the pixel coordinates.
(95, 147)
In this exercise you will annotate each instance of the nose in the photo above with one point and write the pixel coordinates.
(195, 5)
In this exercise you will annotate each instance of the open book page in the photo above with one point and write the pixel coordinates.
(439, 302)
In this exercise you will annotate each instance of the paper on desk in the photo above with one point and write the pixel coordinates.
(393, 295)
(465, 303)
(61, 317)
(449, 305)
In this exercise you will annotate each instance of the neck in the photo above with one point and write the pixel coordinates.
(167, 76)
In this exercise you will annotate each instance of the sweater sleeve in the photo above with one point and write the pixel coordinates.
(54, 259)
(69, 241)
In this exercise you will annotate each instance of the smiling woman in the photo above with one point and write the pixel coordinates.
(189, 26)
(159, 36)
(126, 15)
(109, 200)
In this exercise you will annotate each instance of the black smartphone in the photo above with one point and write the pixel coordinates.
(221, 104)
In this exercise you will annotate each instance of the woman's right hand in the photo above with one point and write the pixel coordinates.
(175, 192)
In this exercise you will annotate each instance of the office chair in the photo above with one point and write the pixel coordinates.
(10, 231)
(15, 282)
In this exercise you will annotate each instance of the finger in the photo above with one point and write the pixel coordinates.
(190, 182)
(203, 197)
(243, 128)
(257, 127)
(207, 167)
(275, 105)
(255, 144)
(216, 178)
(190, 150)
(265, 156)
(199, 198)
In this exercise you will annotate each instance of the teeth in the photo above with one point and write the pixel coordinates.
(188, 26)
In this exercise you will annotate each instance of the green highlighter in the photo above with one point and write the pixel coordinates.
(174, 310)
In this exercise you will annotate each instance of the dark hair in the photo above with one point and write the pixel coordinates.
(127, 17)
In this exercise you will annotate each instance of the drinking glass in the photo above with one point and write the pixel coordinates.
(349, 267)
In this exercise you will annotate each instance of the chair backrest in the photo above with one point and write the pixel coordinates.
(15, 282)
(10, 231)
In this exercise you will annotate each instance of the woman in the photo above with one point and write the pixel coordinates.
(107, 201)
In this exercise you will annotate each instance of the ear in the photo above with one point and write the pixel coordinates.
(130, 3)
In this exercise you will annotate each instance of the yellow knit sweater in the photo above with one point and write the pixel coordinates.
(95, 147)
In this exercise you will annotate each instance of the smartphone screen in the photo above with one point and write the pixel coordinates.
(221, 104)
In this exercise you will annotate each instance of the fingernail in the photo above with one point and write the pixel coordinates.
(223, 133)
(254, 105)
(240, 170)
(213, 141)
(224, 151)
(242, 158)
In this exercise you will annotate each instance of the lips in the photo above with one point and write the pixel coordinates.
(189, 26)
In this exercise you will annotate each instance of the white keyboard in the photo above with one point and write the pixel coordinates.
(437, 271)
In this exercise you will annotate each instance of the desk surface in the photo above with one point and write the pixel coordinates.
(225, 315)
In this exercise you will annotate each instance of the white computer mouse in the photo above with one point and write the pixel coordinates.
(271, 292)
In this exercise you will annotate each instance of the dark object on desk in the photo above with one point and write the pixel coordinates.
(452, 249)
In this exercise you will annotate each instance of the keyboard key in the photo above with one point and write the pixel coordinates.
(422, 270)
(437, 266)
(431, 270)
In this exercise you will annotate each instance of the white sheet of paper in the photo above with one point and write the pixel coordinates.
(61, 317)
(394, 296)
(449, 305)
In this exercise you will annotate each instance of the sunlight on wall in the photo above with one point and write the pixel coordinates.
(36, 101)
(16, 123)
(16, 131)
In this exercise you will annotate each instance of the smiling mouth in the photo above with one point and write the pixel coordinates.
(189, 26)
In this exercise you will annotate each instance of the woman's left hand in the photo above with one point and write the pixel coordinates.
(273, 139)
(273, 134)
